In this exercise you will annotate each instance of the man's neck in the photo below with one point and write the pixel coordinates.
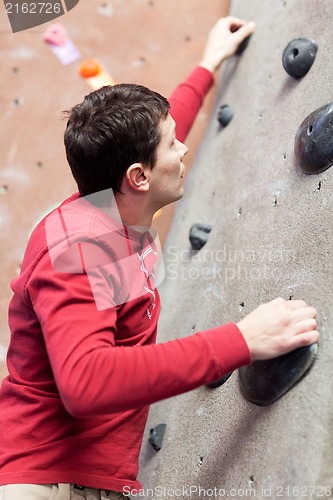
(134, 215)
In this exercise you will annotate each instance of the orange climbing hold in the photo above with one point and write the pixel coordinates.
(94, 74)
(89, 68)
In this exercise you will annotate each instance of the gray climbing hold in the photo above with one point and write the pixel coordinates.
(313, 141)
(225, 115)
(219, 381)
(242, 46)
(199, 235)
(156, 436)
(299, 56)
(263, 382)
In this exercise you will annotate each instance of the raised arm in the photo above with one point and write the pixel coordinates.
(223, 41)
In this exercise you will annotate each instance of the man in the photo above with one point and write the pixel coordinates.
(83, 363)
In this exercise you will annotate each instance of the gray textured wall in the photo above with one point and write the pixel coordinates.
(271, 236)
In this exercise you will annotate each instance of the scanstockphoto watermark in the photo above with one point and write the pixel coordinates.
(227, 264)
(188, 491)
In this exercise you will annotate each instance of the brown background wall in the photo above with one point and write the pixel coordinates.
(152, 42)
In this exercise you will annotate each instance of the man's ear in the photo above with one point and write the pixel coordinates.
(137, 177)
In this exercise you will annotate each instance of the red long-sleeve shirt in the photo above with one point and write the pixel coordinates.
(74, 406)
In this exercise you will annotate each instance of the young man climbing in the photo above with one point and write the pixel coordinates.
(83, 363)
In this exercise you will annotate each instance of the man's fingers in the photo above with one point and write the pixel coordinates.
(233, 21)
(296, 304)
(234, 24)
(243, 31)
(304, 339)
(306, 325)
(304, 313)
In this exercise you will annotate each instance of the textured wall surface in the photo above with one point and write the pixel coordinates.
(271, 236)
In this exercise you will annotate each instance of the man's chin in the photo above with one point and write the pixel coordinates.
(176, 198)
(180, 195)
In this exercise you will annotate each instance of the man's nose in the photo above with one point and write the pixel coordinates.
(182, 149)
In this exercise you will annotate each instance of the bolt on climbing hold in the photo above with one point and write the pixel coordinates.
(299, 56)
(156, 436)
(199, 235)
(313, 141)
(225, 115)
(263, 382)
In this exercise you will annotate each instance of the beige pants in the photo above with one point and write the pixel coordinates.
(55, 492)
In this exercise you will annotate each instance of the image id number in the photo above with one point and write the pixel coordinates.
(33, 8)
(304, 491)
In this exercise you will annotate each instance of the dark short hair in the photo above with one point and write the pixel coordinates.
(111, 129)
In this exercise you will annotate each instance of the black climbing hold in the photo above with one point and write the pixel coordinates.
(219, 381)
(156, 436)
(199, 235)
(263, 382)
(242, 46)
(313, 141)
(225, 115)
(299, 56)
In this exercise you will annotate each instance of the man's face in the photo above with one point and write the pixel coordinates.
(166, 178)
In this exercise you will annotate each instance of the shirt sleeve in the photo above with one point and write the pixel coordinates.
(187, 99)
(95, 376)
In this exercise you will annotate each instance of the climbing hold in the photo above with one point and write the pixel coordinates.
(242, 46)
(225, 115)
(263, 382)
(299, 56)
(89, 68)
(94, 74)
(219, 381)
(199, 235)
(156, 436)
(313, 141)
(55, 34)
(61, 45)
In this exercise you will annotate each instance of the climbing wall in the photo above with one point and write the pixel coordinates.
(151, 42)
(271, 236)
